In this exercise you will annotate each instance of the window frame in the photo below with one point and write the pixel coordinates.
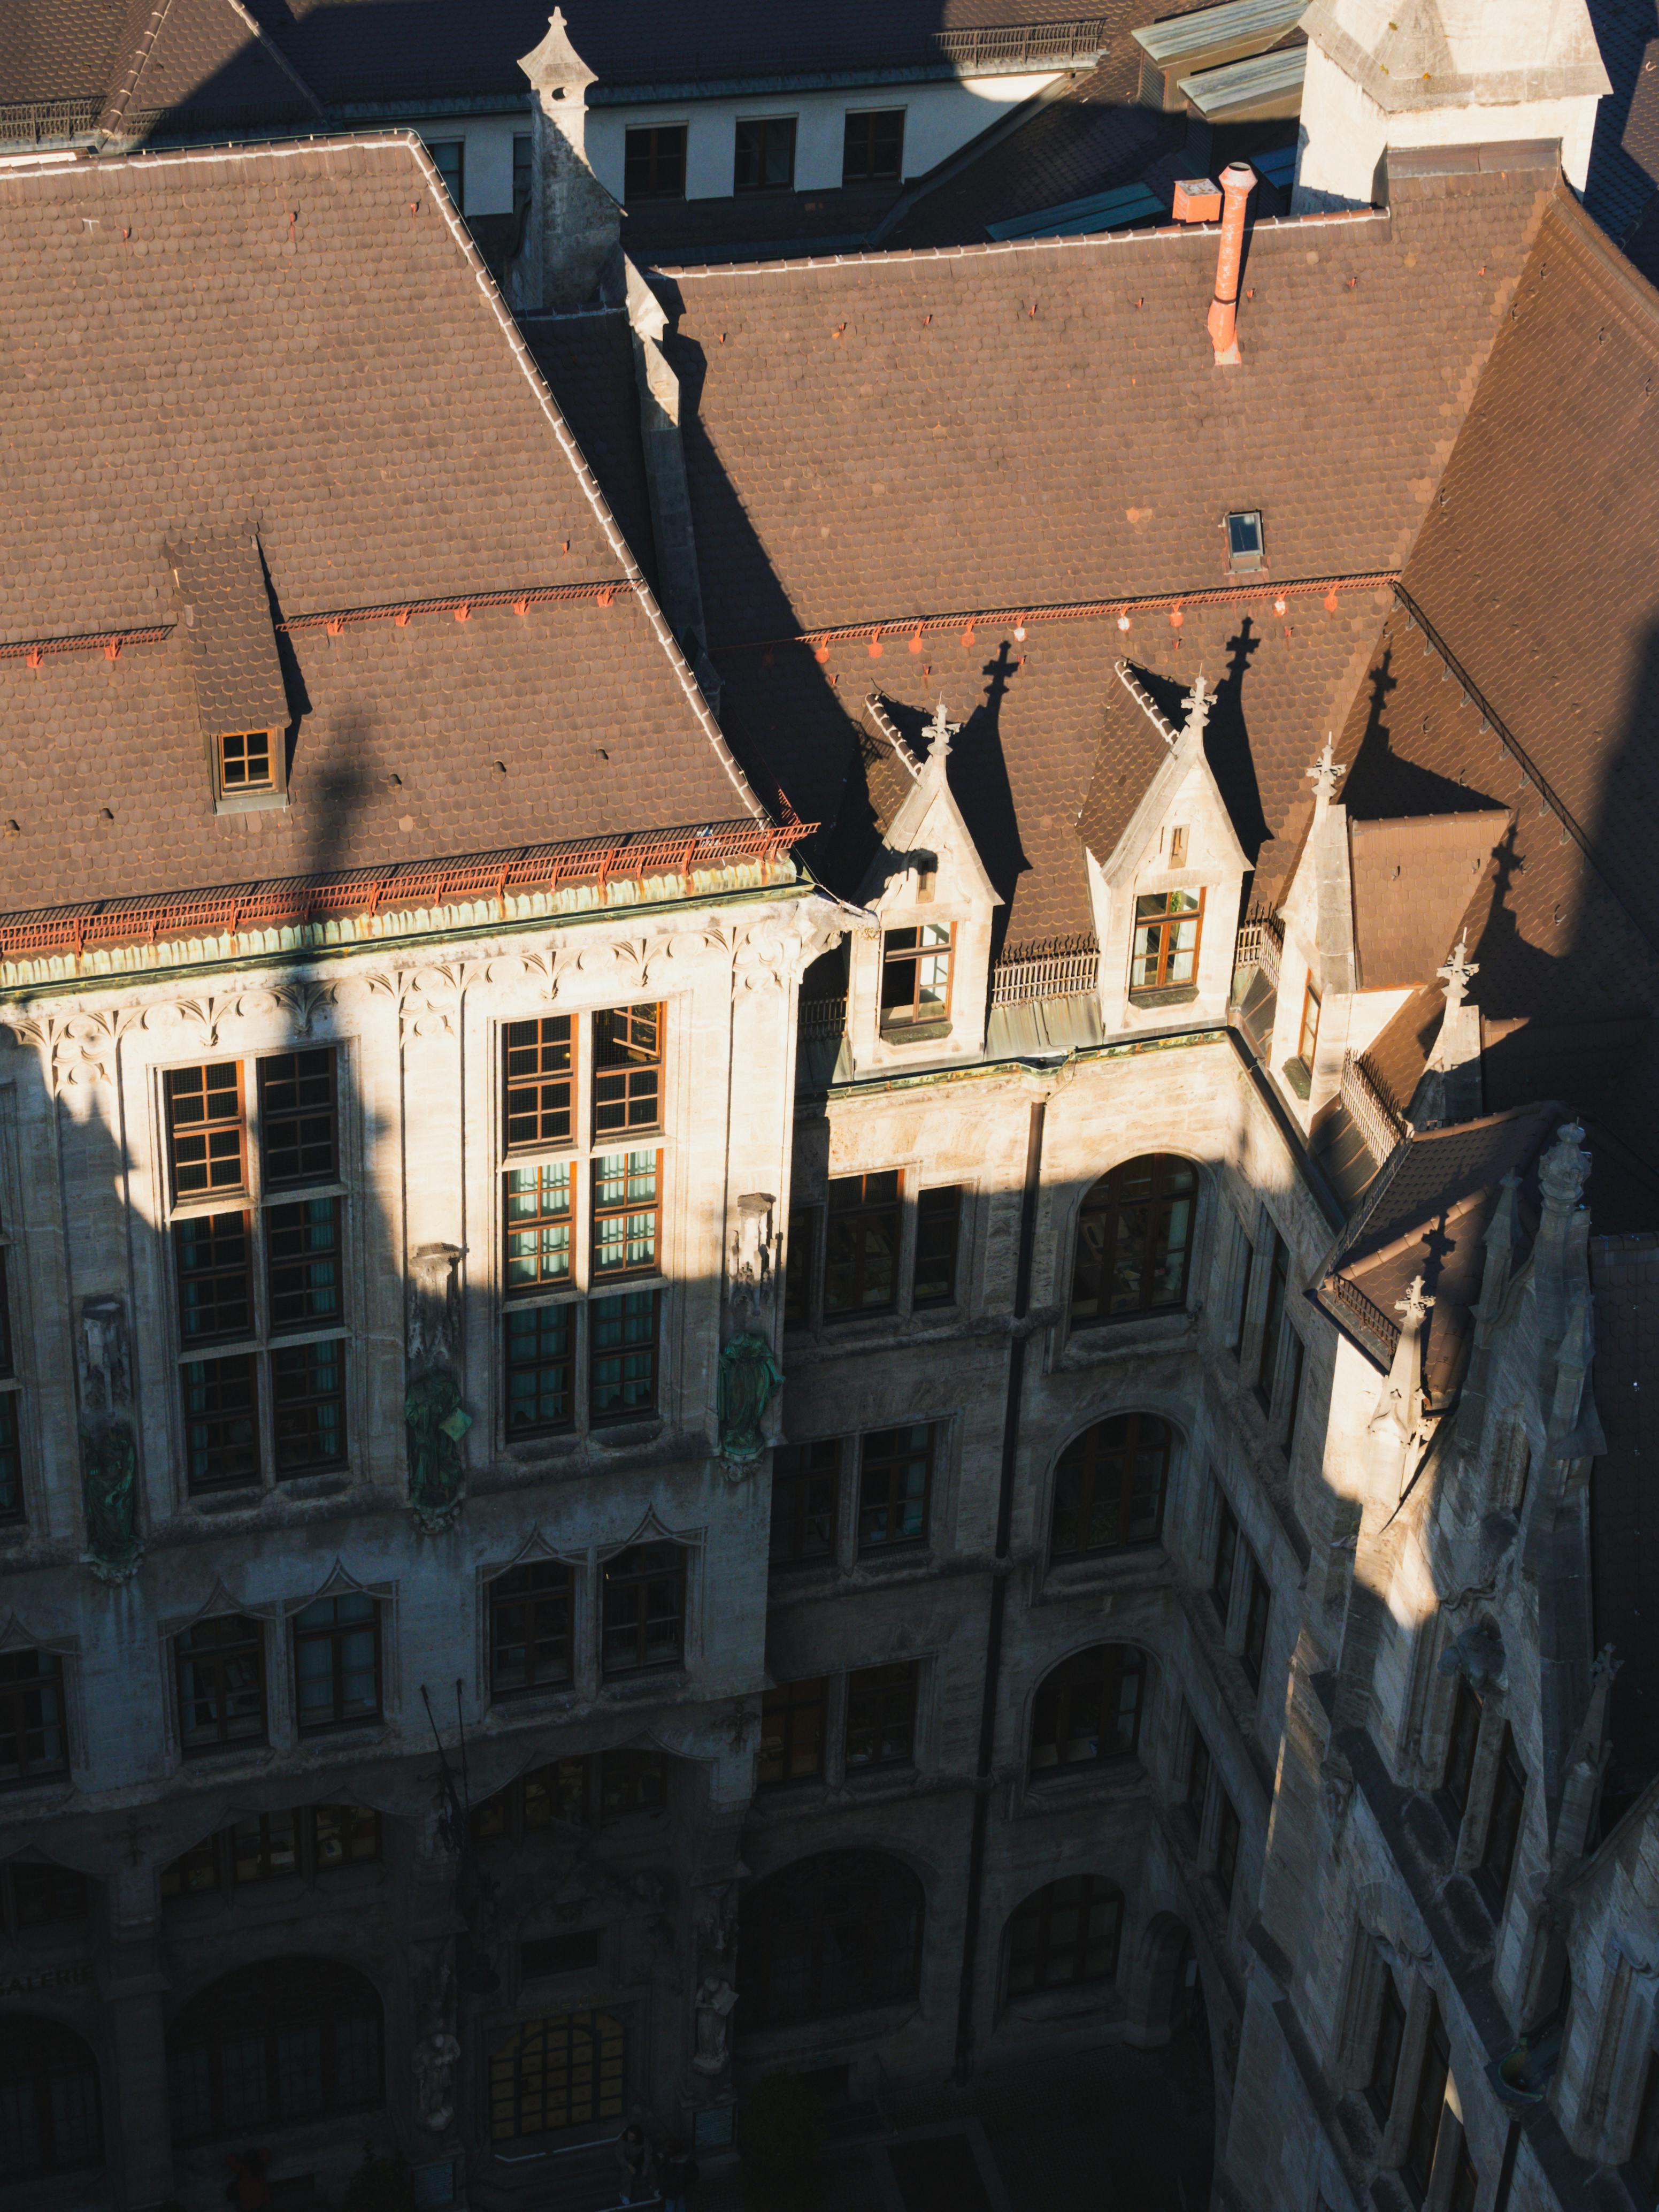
(916, 1016)
(893, 1498)
(1048, 1905)
(1154, 1249)
(827, 1452)
(886, 1210)
(1462, 1745)
(517, 1589)
(891, 1688)
(1054, 1721)
(633, 193)
(795, 1709)
(1428, 2104)
(1388, 2048)
(1128, 1455)
(1249, 560)
(49, 1683)
(764, 125)
(1273, 1306)
(868, 174)
(946, 1204)
(457, 192)
(336, 1634)
(1507, 1798)
(208, 2028)
(670, 1566)
(213, 1661)
(1165, 989)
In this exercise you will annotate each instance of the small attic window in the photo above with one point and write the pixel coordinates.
(242, 762)
(1244, 541)
(1168, 928)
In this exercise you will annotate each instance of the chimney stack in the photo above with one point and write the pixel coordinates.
(1237, 183)
(570, 255)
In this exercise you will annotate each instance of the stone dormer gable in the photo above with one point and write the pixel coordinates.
(919, 984)
(1165, 863)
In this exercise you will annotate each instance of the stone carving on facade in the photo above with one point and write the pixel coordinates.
(436, 2056)
(1477, 1656)
(754, 1252)
(749, 1377)
(715, 2000)
(434, 1419)
(78, 1048)
(109, 1450)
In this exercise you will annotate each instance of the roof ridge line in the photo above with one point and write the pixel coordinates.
(115, 105)
(269, 44)
(897, 255)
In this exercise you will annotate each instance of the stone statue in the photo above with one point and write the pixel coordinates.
(435, 2058)
(749, 1378)
(109, 1462)
(714, 2000)
(435, 1421)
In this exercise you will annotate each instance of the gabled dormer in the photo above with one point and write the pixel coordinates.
(917, 987)
(1165, 865)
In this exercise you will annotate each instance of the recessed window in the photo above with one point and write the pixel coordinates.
(582, 1793)
(1226, 1850)
(32, 1743)
(1198, 1779)
(449, 158)
(628, 1068)
(541, 1369)
(1109, 1487)
(895, 1474)
(791, 1732)
(337, 1661)
(862, 1240)
(539, 1224)
(654, 162)
(939, 1234)
(205, 1129)
(221, 1668)
(805, 1499)
(1226, 1562)
(307, 1406)
(1429, 2104)
(1273, 1320)
(1168, 927)
(298, 1140)
(538, 1068)
(1178, 847)
(621, 1365)
(1088, 1709)
(765, 155)
(1257, 1606)
(872, 150)
(530, 1630)
(915, 975)
(627, 1212)
(881, 1716)
(1134, 1241)
(1245, 545)
(644, 1603)
(50, 2108)
(1068, 1933)
(543, 1956)
(306, 1840)
(242, 759)
(11, 1458)
(797, 1267)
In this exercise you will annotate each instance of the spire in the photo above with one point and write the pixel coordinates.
(939, 733)
(1450, 1088)
(1457, 972)
(1200, 704)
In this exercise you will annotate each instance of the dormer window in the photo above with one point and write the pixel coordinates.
(915, 976)
(242, 762)
(1169, 925)
(1245, 547)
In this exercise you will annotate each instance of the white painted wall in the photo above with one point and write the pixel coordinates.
(1344, 132)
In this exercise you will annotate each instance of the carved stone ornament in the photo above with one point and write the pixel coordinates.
(435, 1421)
(1336, 1788)
(748, 1379)
(434, 1304)
(754, 1252)
(436, 2056)
(714, 2003)
(109, 1493)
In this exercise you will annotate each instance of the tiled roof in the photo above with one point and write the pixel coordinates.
(1412, 880)
(1129, 754)
(1624, 1518)
(588, 362)
(61, 48)
(305, 337)
(224, 613)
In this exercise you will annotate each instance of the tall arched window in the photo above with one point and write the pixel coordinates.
(1088, 1710)
(1134, 1240)
(833, 1934)
(1109, 1487)
(295, 2039)
(1065, 1933)
(49, 2120)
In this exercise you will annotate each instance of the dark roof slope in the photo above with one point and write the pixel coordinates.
(305, 337)
(60, 49)
(1412, 880)
(1130, 751)
(1022, 425)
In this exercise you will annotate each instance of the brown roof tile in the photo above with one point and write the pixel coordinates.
(1412, 881)
(224, 621)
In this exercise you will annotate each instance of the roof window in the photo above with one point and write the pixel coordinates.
(1244, 541)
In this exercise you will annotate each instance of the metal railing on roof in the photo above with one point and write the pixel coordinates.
(1261, 941)
(1069, 969)
(1360, 1310)
(992, 46)
(1371, 1110)
(47, 122)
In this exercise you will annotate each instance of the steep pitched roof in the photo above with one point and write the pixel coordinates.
(305, 337)
(1413, 879)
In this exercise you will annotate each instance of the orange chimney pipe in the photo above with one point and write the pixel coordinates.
(1237, 183)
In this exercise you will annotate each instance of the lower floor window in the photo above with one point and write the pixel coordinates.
(32, 1744)
(541, 1361)
(304, 1841)
(1088, 1709)
(566, 2072)
(1068, 1932)
(11, 1459)
(644, 1618)
(49, 2120)
(586, 1792)
(276, 2046)
(881, 1716)
(306, 1383)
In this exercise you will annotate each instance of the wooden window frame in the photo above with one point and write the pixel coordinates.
(539, 1075)
(212, 1666)
(215, 1178)
(852, 1219)
(794, 1726)
(625, 1606)
(890, 1492)
(543, 1360)
(45, 1684)
(1158, 922)
(1094, 1465)
(304, 1268)
(632, 1366)
(881, 1703)
(858, 136)
(632, 1212)
(301, 1396)
(1077, 1896)
(1150, 1245)
(532, 1607)
(940, 1211)
(336, 1634)
(760, 128)
(582, 1791)
(805, 1489)
(309, 1125)
(1307, 1038)
(630, 1066)
(297, 1857)
(644, 166)
(917, 1016)
(538, 1227)
(227, 783)
(1092, 1678)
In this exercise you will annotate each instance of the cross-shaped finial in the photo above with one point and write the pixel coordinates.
(1200, 700)
(939, 734)
(1413, 1306)
(1457, 973)
(1325, 773)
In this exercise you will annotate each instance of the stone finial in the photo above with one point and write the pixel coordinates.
(1400, 1410)
(1458, 972)
(554, 66)
(1413, 1306)
(939, 734)
(1327, 774)
(1200, 705)
(1564, 1169)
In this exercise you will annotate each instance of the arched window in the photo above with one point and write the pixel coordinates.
(564, 2072)
(1109, 1487)
(50, 2121)
(1089, 1709)
(1066, 1933)
(833, 1934)
(295, 2039)
(1134, 1240)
